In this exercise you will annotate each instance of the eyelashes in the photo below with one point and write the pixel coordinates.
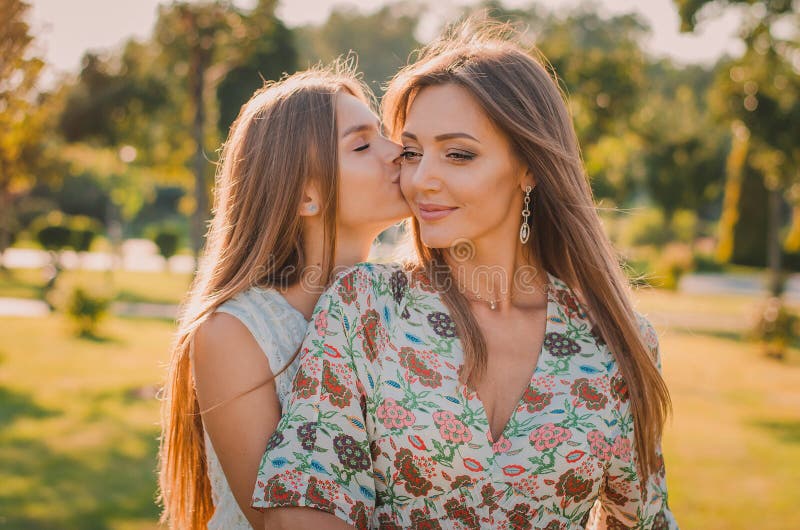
(455, 156)
(362, 148)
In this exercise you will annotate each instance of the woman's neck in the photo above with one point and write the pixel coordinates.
(507, 275)
(350, 249)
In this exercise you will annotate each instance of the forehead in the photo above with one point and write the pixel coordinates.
(445, 109)
(352, 111)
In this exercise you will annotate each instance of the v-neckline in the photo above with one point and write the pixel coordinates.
(471, 393)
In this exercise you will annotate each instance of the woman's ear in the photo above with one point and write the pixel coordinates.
(311, 204)
(528, 180)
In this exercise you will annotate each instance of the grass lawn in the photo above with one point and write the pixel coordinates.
(127, 286)
(78, 424)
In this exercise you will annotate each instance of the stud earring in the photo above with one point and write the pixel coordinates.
(525, 229)
(312, 208)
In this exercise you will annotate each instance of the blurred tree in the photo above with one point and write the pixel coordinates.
(603, 71)
(194, 37)
(23, 115)
(383, 39)
(151, 103)
(266, 52)
(759, 94)
(683, 151)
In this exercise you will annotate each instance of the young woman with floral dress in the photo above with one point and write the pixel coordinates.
(302, 157)
(504, 380)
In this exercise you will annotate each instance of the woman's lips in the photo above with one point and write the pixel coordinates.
(434, 212)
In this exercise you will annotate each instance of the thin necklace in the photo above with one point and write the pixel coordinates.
(492, 303)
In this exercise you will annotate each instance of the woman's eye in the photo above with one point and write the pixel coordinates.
(408, 154)
(362, 148)
(460, 157)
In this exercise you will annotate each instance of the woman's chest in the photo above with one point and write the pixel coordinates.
(430, 434)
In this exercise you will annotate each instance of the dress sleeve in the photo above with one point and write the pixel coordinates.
(319, 455)
(627, 499)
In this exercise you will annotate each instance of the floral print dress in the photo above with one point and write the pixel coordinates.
(380, 432)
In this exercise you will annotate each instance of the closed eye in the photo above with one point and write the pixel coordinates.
(362, 148)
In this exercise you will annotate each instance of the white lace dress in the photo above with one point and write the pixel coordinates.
(279, 329)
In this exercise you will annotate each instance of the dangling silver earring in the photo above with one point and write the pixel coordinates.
(525, 229)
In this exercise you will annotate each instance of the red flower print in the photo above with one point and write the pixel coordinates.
(615, 496)
(519, 517)
(347, 288)
(276, 494)
(570, 303)
(315, 497)
(340, 395)
(420, 280)
(395, 416)
(502, 445)
(588, 395)
(489, 496)
(459, 511)
(473, 465)
(660, 521)
(421, 520)
(599, 445)
(536, 401)
(548, 436)
(620, 388)
(427, 376)
(321, 322)
(415, 483)
(358, 514)
(572, 486)
(461, 481)
(304, 385)
(370, 322)
(451, 428)
(417, 442)
(622, 448)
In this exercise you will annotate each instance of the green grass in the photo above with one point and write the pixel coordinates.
(126, 286)
(78, 423)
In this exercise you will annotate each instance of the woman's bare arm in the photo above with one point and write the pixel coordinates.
(297, 518)
(228, 361)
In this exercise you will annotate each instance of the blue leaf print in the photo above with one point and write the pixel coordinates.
(454, 400)
(371, 382)
(386, 314)
(589, 369)
(279, 462)
(412, 338)
(393, 383)
(345, 322)
(557, 411)
(366, 492)
(319, 467)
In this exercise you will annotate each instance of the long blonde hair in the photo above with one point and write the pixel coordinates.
(284, 138)
(523, 100)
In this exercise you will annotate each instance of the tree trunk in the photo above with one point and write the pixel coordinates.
(197, 80)
(776, 280)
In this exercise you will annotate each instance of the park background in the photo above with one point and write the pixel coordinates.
(691, 141)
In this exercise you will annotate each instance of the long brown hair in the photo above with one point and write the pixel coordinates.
(523, 99)
(283, 138)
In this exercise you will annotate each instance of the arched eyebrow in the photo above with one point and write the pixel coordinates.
(362, 127)
(441, 137)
